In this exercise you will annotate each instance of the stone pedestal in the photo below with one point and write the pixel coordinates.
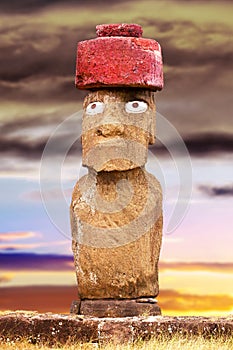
(116, 308)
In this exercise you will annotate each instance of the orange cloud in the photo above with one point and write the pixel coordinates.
(58, 299)
(5, 278)
(11, 236)
(196, 266)
(171, 300)
(40, 298)
(10, 241)
(18, 246)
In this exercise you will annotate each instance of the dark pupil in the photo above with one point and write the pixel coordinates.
(135, 105)
(93, 105)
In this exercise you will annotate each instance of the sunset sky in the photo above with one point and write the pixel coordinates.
(39, 101)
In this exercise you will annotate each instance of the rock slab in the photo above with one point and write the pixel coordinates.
(60, 329)
(116, 308)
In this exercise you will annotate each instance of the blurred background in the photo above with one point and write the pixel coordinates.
(37, 96)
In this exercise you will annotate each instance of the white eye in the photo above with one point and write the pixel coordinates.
(136, 107)
(95, 108)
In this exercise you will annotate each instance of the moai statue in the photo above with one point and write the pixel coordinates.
(116, 209)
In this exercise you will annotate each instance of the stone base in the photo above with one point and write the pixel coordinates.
(116, 308)
(56, 329)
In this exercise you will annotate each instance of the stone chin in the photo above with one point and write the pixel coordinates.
(117, 164)
(116, 154)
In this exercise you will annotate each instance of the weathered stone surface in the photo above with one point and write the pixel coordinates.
(75, 307)
(123, 29)
(117, 234)
(119, 61)
(115, 308)
(46, 328)
(118, 308)
(55, 329)
(115, 139)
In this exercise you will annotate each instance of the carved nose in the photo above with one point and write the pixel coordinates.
(108, 130)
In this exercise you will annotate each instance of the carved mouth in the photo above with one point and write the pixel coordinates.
(116, 154)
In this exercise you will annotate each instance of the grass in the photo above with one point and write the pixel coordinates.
(175, 343)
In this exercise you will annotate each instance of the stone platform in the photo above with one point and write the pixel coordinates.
(116, 308)
(55, 328)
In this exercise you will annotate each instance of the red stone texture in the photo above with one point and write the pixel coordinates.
(119, 61)
(123, 29)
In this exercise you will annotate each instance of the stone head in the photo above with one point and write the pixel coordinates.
(118, 125)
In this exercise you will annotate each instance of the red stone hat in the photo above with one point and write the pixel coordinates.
(119, 57)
